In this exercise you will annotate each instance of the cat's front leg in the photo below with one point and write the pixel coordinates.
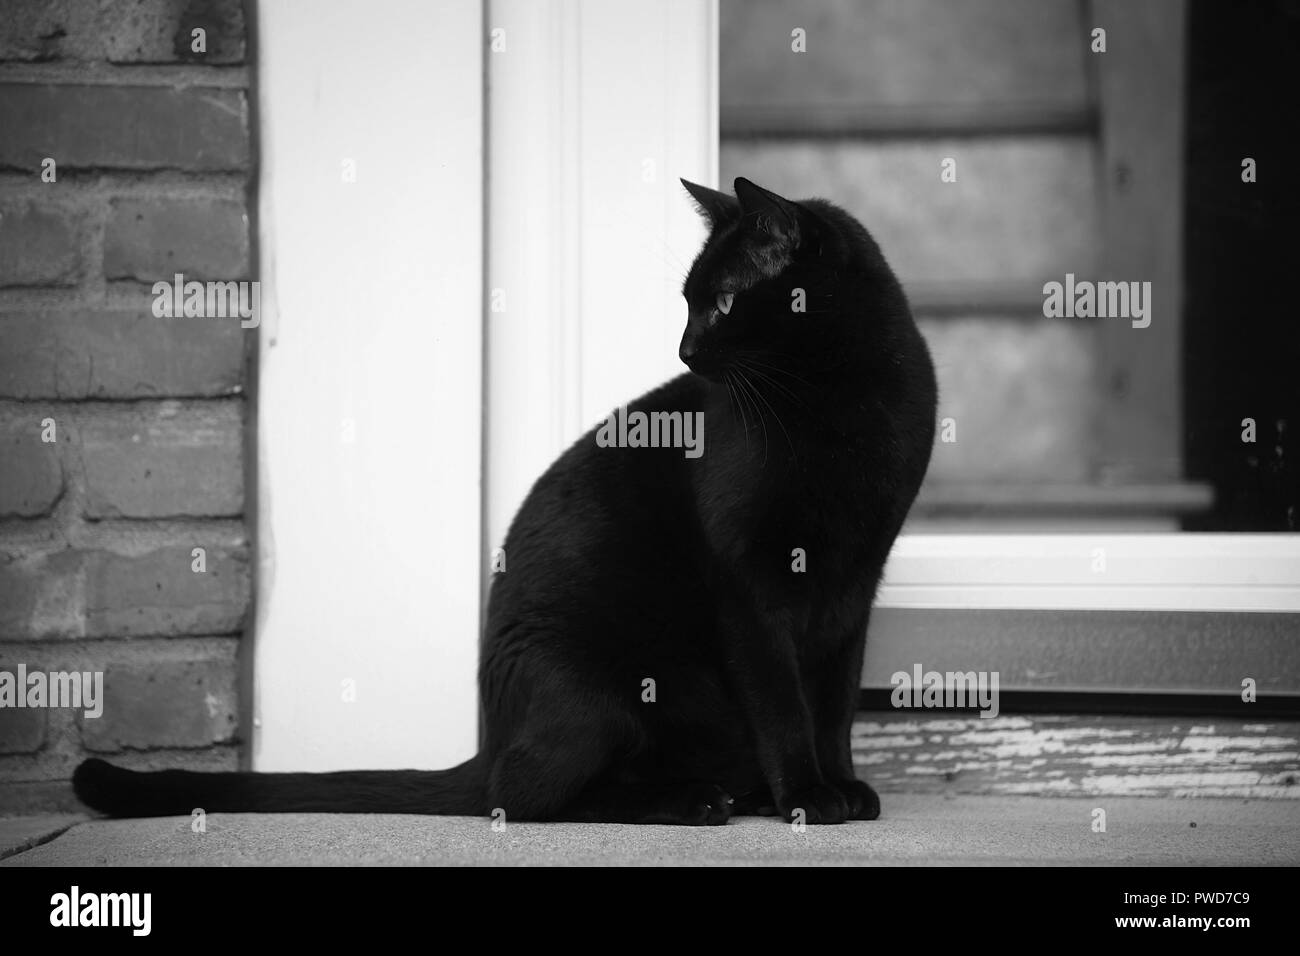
(763, 666)
(832, 678)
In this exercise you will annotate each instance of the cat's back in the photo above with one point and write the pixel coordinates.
(602, 504)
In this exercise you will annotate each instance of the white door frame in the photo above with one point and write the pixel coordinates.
(369, 392)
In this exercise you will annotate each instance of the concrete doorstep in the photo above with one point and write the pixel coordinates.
(19, 834)
(916, 829)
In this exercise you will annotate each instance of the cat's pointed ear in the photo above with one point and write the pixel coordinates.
(771, 213)
(716, 208)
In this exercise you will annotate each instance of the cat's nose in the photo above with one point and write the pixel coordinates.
(693, 356)
(700, 360)
(690, 347)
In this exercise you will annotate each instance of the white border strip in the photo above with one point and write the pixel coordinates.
(1157, 572)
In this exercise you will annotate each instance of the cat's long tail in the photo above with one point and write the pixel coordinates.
(460, 790)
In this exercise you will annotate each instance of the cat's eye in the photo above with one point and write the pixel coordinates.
(724, 301)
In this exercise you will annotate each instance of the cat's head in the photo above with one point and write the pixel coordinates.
(773, 280)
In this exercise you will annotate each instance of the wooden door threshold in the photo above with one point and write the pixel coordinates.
(1076, 755)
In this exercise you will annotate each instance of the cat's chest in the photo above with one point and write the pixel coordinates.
(830, 497)
(828, 500)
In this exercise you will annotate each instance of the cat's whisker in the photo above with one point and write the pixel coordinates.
(669, 258)
(761, 397)
(754, 358)
(671, 254)
(754, 398)
(785, 390)
(731, 394)
(734, 389)
(758, 411)
(745, 401)
(744, 396)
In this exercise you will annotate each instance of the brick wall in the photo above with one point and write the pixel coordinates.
(98, 528)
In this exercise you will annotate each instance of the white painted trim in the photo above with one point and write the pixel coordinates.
(1173, 572)
(369, 423)
(588, 253)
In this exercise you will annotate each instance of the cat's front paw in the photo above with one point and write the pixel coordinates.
(703, 805)
(863, 802)
(820, 803)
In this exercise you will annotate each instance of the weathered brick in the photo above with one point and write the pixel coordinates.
(38, 244)
(164, 704)
(118, 354)
(31, 478)
(38, 798)
(145, 127)
(73, 593)
(162, 460)
(22, 730)
(37, 30)
(41, 594)
(160, 592)
(151, 240)
(121, 31)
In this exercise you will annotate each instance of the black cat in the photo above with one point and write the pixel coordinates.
(679, 639)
